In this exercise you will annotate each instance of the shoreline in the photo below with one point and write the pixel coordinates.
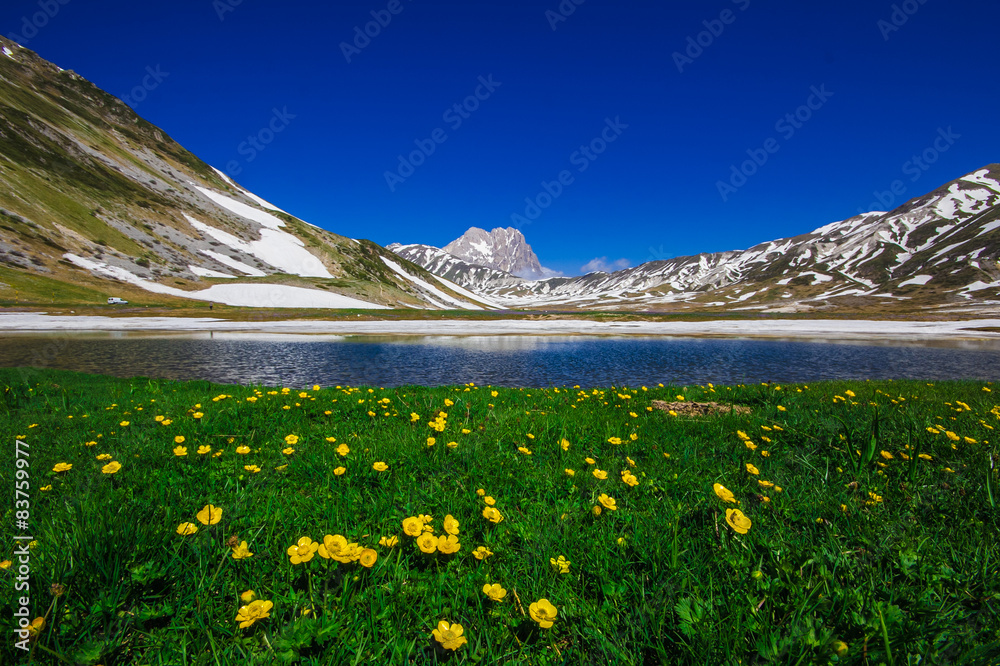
(838, 330)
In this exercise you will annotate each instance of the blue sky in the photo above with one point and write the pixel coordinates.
(621, 122)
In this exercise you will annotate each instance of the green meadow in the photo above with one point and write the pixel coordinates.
(195, 523)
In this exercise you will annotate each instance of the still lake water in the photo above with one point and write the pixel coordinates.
(528, 361)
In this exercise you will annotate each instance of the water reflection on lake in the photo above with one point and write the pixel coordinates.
(303, 360)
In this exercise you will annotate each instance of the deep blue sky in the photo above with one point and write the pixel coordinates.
(653, 192)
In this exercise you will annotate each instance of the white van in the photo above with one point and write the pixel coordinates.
(117, 301)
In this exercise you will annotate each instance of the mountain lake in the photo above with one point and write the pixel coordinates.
(511, 360)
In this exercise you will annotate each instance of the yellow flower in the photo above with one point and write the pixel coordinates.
(452, 445)
(564, 443)
(766, 484)
(449, 635)
(303, 550)
(197, 415)
(494, 592)
(158, 418)
(288, 451)
(543, 613)
(724, 493)
(608, 502)
(781, 409)
(766, 454)
(243, 450)
(525, 450)
(924, 456)
(600, 474)
(184, 529)
(253, 469)
(739, 522)
(450, 524)
(380, 467)
(482, 553)
(630, 479)
(180, 451)
(494, 393)
(179, 439)
(427, 542)
(448, 402)
(202, 450)
(589, 461)
(431, 441)
(561, 565)
(614, 440)
(241, 552)
(255, 610)
(368, 558)
(339, 471)
(492, 515)
(596, 510)
(849, 394)
(210, 515)
(448, 544)
(570, 472)
(124, 424)
(91, 443)
(248, 596)
(886, 455)
(413, 526)
(414, 417)
(111, 468)
(343, 450)
(35, 628)
(62, 467)
(481, 492)
(465, 431)
(104, 456)
(489, 500)
(752, 469)
(46, 489)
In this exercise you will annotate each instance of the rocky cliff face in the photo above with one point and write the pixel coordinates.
(501, 249)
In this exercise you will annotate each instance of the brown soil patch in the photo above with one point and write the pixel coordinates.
(699, 408)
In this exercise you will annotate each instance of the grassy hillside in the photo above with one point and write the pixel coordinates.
(866, 530)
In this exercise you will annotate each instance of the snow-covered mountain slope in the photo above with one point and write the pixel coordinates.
(939, 250)
(501, 249)
(96, 202)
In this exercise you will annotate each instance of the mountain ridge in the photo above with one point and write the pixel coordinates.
(875, 255)
(97, 202)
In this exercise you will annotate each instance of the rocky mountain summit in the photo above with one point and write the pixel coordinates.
(500, 249)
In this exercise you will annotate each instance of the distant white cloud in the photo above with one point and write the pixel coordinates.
(548, 272)
(601, 264)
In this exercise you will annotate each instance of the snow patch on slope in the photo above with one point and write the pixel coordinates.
(233, 263)
(247, 295)
(396, 268)
(247, 193)
(278, 248)
(919, 279)
(208, 272)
